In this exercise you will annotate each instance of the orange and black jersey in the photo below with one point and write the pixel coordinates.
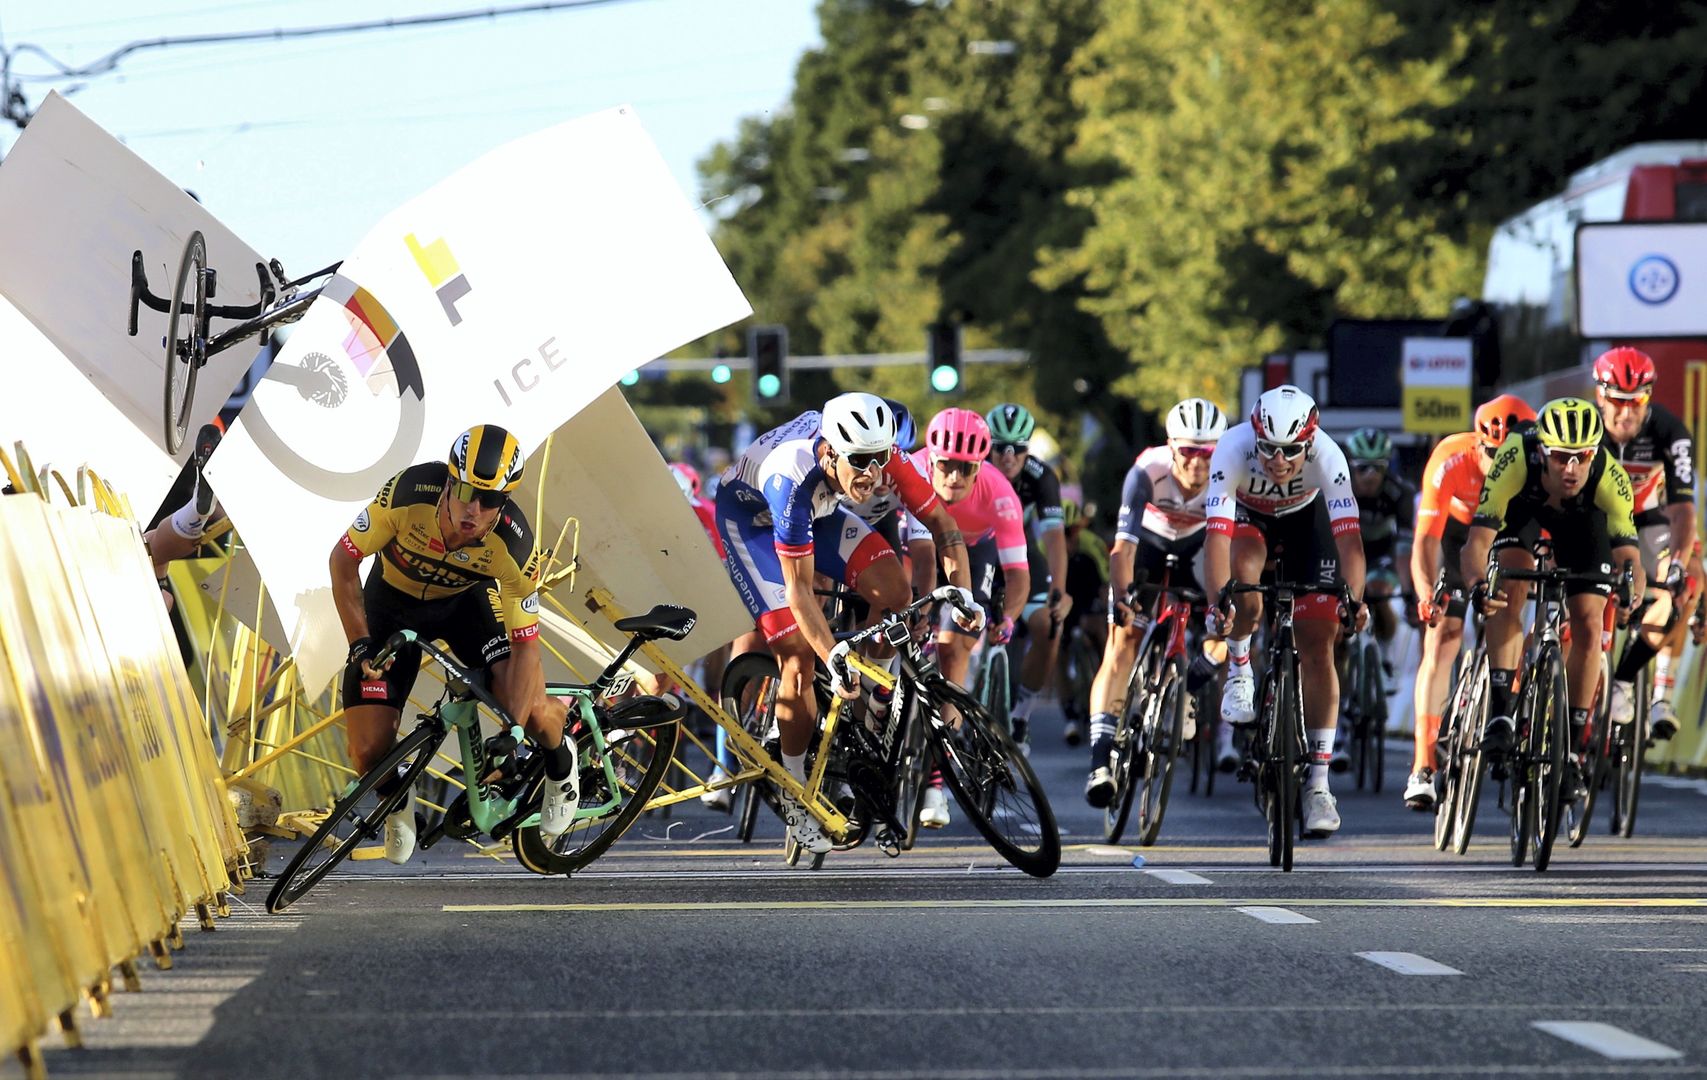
(401, 525)
(1515, 477)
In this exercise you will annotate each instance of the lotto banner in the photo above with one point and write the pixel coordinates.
(1436, 375)
(514, 292)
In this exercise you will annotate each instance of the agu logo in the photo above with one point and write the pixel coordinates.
(439, 267)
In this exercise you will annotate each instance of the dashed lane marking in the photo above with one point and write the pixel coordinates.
(1408, 963)
(1177, 877)
(1608, 1041)
(993, 903)
(1279, 916)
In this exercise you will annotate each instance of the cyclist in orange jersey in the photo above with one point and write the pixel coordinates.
(1451, 487)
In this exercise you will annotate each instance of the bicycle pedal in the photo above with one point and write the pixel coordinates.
(887, 842)
(1247, 772)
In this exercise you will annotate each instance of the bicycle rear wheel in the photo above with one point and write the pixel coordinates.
(1550, 735)
(1633, 744)
(749, 695)
(994, 784)
(1163, 752)
(347, 825)
(644, 732)
(914, 770)
(1579, 809)
(1375, 714)
(185, 355)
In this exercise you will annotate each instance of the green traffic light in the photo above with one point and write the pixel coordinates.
(944, 378)
(769, 386)
(720, 373)
(631, 378)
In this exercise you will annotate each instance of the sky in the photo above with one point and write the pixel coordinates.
(301, 146)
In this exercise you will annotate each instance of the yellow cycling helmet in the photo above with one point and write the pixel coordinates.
(485, 458)
(1570, 423)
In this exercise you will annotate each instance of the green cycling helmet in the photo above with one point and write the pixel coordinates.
(1369, 444)
(1011, 424)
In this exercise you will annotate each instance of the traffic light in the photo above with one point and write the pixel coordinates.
(767, 347)
(944, 357)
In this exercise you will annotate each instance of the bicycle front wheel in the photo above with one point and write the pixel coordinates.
(1164, 739)
(644, 733)
(994, 686)
(348, 825)
(1468, 757)
(185, 353)
(1128, 756)
(749, 695)
(1633, 746)
(994, 785)
(1550, 735)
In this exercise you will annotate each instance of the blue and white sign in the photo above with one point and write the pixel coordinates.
(1642, 280)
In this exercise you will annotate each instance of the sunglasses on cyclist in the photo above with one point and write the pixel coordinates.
(1196, 453)
(862, 462)
(1273, 450)
(468, 493)
(1620, 400)
(1002, 449)
(1566, 456)
(1367, 467)
(955, 468)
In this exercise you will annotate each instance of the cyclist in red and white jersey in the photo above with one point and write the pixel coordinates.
(1658, 452)
(1278, 485)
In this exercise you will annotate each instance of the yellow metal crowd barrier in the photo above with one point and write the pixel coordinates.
(114, 819)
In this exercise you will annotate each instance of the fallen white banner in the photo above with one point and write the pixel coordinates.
(514, 292)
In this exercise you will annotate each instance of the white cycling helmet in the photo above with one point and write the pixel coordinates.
(1284, 416)
(858, 424)
(1196, 420)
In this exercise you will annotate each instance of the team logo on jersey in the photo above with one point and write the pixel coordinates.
(362, 523)
(531, 603)
(460, 556)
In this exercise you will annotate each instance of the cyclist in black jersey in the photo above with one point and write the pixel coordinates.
(1658, 452)
(1039, 491)
(1387, 513)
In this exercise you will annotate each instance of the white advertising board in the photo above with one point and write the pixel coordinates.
(514, 292)
(1642, 280)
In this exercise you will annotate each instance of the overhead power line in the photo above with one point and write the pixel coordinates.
(16, 108)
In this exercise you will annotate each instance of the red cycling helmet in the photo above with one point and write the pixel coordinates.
(1624, 372)
(958, 435)
(688, 475)
(1496, 419)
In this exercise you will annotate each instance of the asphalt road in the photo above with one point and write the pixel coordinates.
(682, 953)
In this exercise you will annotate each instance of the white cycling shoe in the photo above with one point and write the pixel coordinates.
(933, 814)
(400, 831)
(803, 827)
(721, 799)
(1623, 707)
(1238, 699)
(562, 798)
(1321, 813)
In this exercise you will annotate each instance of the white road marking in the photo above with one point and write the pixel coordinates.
(1278, 915)
(1178, 877)
(1409, 963)
(1608, 1041)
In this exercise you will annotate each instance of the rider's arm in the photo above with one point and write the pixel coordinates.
(1473, 562)
(1615, 497)
(1678, 451)
(1016, 580)
(1425, 563)
(1051, 522)
(921, 501)
(1010, 543)
(1220, 507)
(1135, 494)
(373, 528)
(1431, 519)
(1342, 513)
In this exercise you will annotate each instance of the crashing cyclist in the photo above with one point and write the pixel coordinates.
(456, 561)
(780, 513)
(1452, 486)
(1039, 489)
(1279, 485)
(1560, 478)
(1658, 452)
(1161, 514)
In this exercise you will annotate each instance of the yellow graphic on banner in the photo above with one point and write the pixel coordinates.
(1437, 410)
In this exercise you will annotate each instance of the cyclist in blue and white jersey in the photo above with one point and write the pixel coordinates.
(780, 514)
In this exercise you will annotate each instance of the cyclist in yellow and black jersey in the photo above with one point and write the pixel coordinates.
(1558, 478)
(456, 560)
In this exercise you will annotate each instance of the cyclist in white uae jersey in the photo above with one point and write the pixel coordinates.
(1279, 486)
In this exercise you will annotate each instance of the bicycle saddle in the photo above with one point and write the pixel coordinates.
(663, 621)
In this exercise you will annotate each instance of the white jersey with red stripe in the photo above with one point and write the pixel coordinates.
(1154, 502)
(1237, 479)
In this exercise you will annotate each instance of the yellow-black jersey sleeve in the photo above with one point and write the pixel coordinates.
(1507, 477)
(1615, 497)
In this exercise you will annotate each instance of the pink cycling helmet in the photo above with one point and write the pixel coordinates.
(958, 435)
(688, 475)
